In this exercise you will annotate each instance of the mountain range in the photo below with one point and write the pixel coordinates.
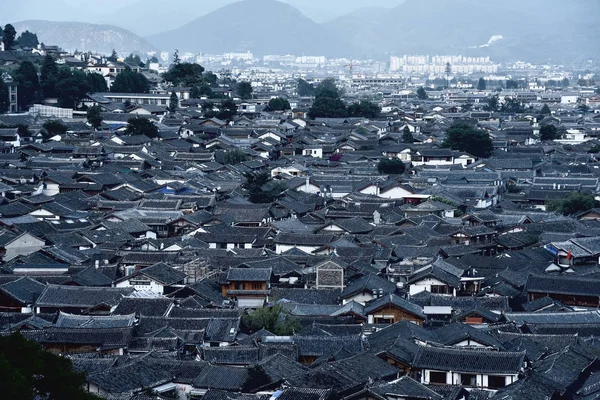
(86, 37)
(558, 31)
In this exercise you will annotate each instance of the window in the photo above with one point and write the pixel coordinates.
(440, 289)
(438, 378)
(256, 286)
(384, 320)
(496, 382)
(468, 380)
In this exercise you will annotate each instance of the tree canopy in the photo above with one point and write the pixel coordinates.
(328, 103)
(407, 136)
(545, 110)
(548, 132)
(275, 319)
(279, 104)
(173, 102)
(28, 84)
(141, 126)
(469, 139)
(574, 203)
(365, 109)
(512, 106)
(481, 84)
(28, 39)
(53, 128)
(130, 81)
(391, 166)
(235, 156)
(422, 93)
(4, 99)
(261, 187)
(305, 88)
(94, 116)
(134, 59)
(244, 90)
(185, 74)
(8, 36)
(28, 372)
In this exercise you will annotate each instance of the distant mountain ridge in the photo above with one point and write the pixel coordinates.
(86, 37)
(259, 26)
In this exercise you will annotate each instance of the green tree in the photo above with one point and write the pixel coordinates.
(244, 90)
(49, 76)
(261, 188)
(583, 108)
(72, 89)
(469, 139)
(28, 39)
(407, 136)
(173, 102)
(53, 127)
(365, 109)
(28, 84)
(134, 59)
(545, 110)
(448, 72)
(141, 126)
(208, 109)
(28, 372)
(279, 104)
(493, 103)
(481, 85)
(422, 93)
(275, 319)
(391, 166)
(94, 116)
(209, 78)
(176, 59)
(97, 82)
(305, 89)
(185, 74)
(130, 81)
(565, 82)
(548, 132)
(327, 88)
(197, 92)
(235, 156)
(512, 106)
(512, 84)
(113, 56)
(9, 36)
(328, 107)
(4, 99)
(574, 203)
(227, 110)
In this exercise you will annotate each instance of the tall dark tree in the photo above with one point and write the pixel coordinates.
(28, 84)
(512, 106)
(97, 82)
(9, 36)
(244, 90)
(173, 102)
(28, 39)
(545, 110)
(72, 89)
(209, 78)
(328, 88)
(512, 84)
(130, 81)
(49, 76)
(448, 72)
(492, 103)
(548, 132)
(407, 136)
(94, 116)
(28, 372)
(422, 93)
(113, 56)
(328, 103)
(134, 59)
(469, 139)
(4, 99)
(176, 59)
(481, 84)
(185, 74)
(305, 88)
(141, 126)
